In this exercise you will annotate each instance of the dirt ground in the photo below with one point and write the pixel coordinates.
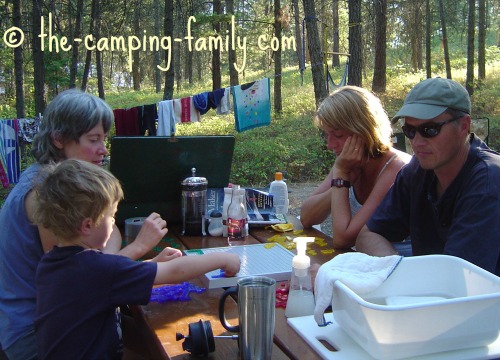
(297, 193)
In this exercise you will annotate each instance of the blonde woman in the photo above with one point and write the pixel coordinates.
(359, 132)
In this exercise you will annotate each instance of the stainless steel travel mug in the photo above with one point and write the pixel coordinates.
(256, 314)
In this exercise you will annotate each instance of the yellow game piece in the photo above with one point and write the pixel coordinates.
(282, 227)
(268, 246)
(327, 251)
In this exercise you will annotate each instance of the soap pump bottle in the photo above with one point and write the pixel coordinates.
(300, 296)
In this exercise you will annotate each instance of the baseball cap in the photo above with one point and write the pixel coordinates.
(431, 97)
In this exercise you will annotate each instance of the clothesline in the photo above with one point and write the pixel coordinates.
(250, 102)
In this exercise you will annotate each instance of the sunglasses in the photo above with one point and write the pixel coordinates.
(428, 130)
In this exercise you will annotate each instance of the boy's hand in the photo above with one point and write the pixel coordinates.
(152, 231)
(232, 264)
(167, 254)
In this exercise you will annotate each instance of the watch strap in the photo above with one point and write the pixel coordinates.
(340, 183)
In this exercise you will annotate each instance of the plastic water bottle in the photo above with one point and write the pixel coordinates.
(279, 190)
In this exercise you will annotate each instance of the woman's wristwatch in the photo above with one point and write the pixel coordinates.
(340, 183)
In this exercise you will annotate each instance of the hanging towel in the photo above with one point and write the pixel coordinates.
(200, 102)
(185, 111)
(166, 118)
(127, 122)
(360, 272)
(9, 149)
(252, 105)
(3, 174)
(147, 119)
(28, 128)
(224, 106)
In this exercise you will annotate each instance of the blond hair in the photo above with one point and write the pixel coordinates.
(357, 110)
(72, 191)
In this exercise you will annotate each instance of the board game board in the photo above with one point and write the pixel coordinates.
(271, 260)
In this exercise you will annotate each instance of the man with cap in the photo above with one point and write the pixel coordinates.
(448, 197)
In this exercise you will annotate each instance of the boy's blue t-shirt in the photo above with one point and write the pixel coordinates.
(78, 292)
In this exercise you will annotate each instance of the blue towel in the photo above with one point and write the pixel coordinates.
(252, 105)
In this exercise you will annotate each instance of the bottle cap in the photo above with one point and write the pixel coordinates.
(278, 176)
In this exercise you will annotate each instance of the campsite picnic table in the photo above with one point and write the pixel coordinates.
(158, 323)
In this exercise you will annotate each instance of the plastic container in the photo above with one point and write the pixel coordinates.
(132, 228)
(215, 225)
(279, 190)
(300, 296)
(438, 303)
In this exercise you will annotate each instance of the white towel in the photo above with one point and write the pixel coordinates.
(360, 272)
(166, 118)
(224, 106)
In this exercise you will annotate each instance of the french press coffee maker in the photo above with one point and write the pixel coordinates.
(194, 205)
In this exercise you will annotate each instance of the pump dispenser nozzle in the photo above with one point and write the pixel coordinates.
(301, 262)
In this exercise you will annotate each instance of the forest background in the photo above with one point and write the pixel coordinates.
(390, 46)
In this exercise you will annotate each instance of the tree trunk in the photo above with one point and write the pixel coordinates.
(444, 39)
(168, 30)
(178, 48)
(355, 44)
(315, 53)
(88, 57)
(75, 44)
(471, 28)
(233, 73)
(136, 76)
(278, 106)
(336, 36)
(481, 41)
(98, 55)
(18, 61)
(379, 72)
(428, 64)
(38, 59)
(216, 76)
(178, 66)
(156, 12)
(298, 35)
(416, 35)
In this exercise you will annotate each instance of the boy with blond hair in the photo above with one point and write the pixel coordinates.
(79, 288)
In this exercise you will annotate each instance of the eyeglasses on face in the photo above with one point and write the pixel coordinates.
(428, 130)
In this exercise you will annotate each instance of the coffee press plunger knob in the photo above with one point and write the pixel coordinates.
(201, 338)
